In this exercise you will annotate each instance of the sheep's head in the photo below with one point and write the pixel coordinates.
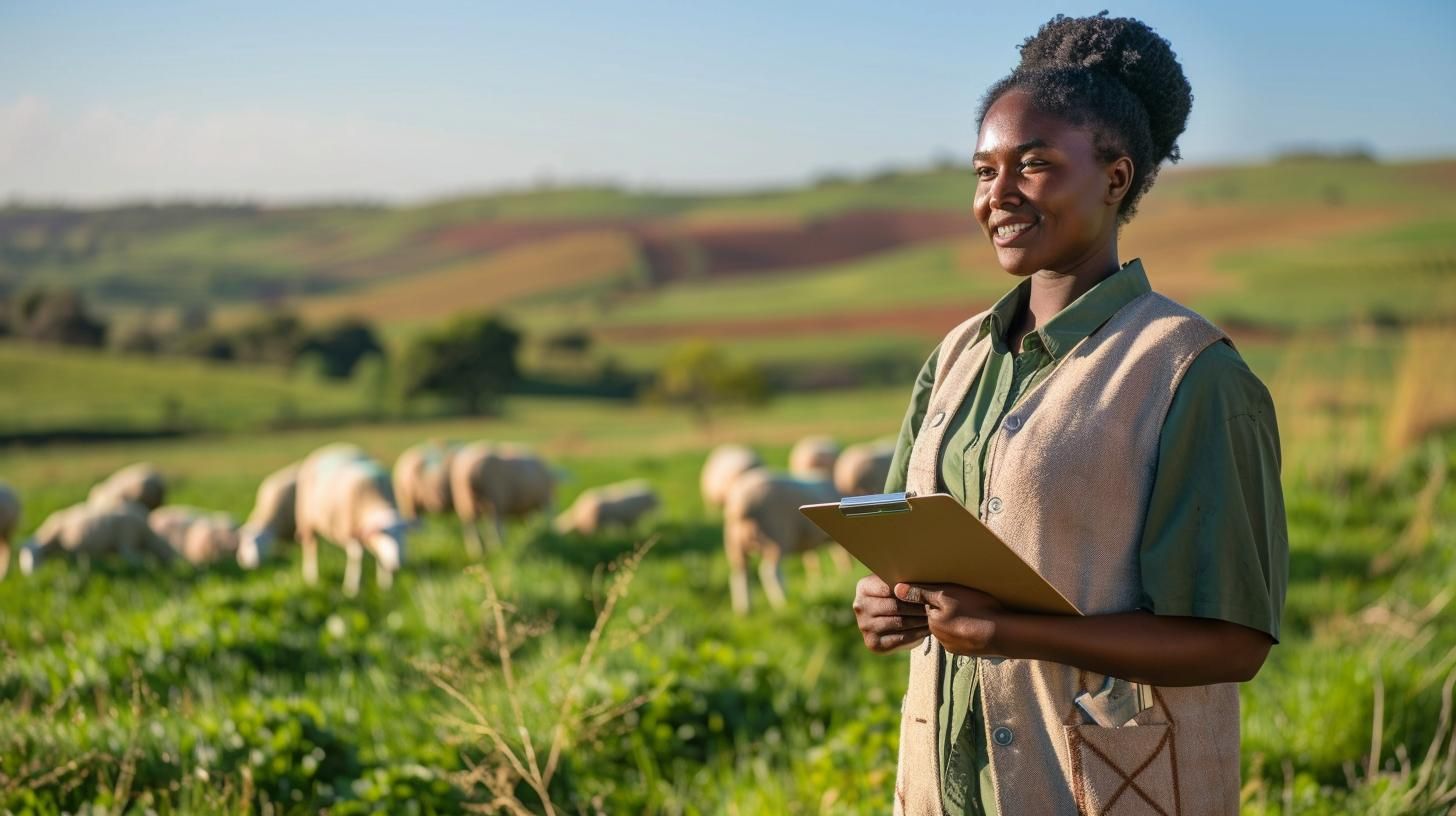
(253, 545)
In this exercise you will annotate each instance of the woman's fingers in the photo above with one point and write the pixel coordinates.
(876, 607)
(886, 642)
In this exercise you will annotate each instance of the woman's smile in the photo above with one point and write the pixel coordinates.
(1012, 232)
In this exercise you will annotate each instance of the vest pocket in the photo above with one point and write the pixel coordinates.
(1123, 771)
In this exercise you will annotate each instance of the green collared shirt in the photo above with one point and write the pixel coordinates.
(1214, 541)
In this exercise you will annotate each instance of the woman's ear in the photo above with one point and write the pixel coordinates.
(1119, 179)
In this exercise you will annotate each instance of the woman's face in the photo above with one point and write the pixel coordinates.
(1042, 196)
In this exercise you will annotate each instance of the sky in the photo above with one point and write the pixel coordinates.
(102, 102)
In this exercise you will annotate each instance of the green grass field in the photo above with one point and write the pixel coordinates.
(170, 690)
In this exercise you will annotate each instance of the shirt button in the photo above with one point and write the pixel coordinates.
(994, 505)
(1002, 736)
(1013, 422)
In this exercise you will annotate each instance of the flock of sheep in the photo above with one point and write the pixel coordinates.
(341, 494)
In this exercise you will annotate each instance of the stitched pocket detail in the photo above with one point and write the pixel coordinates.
(1126, 771)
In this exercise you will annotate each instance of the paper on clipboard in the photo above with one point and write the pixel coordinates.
(934, 539)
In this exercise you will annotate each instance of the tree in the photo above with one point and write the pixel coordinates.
(341, 346)
(472, 359)
(698, 375)
(58, 316)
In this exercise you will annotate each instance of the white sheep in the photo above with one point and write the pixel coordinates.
(726, 463)
(422, 479)
(498, 481)
(85, 531)
(201, 537)
(864, 468)
(761, 514)
(345, 496)
(9, 522)
(621, 505)
(140, 483)
(813, 457)
(274, 516)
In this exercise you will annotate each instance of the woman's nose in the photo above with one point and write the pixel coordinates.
(1004, 190)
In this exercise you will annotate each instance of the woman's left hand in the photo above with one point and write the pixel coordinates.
(961, 618)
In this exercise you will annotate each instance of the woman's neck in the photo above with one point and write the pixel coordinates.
(1052, 291)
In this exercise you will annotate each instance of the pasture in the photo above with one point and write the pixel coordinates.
(218, 691)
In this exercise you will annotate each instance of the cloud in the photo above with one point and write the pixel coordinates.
(102, 154)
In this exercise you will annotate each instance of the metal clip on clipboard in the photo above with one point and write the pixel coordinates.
(875, 505)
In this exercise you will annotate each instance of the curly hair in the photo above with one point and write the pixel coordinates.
(1114, 75)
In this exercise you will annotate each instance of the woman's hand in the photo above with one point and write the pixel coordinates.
(886, 622)
(961, 618)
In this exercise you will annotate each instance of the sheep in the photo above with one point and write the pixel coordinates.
(813, 457)
(273, 517)
(141, 483)
(9, 521)
(621, 504)
(422, 479)
(761, 514)
(201, 537)
(864, 468)
(345, 496)
(498, 481)
(87, 530)
(726, 463)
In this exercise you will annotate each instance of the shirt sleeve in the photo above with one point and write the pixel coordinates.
(1215, 543)
(910, 427)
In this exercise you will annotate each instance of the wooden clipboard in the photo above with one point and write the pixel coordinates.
(934, 539)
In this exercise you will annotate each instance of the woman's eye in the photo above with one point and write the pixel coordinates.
(984, 173)
(1033, 163)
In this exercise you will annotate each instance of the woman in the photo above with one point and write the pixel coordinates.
(1119, 443)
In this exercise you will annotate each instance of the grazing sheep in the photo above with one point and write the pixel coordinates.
(9, 521)
(813, 457)
(140, 483)
(273, 517)
(726, 463)
(201, 537)
(621, 504)
(497, 481)
(864, 468)
(761, 514)
(345, 496)
(422, 479)
(88, 530)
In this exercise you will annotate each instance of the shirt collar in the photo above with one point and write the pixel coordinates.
(1080, 318)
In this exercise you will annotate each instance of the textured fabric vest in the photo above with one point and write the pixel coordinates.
(1067, 485)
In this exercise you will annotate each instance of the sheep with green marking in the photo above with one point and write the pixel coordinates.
(346, 497)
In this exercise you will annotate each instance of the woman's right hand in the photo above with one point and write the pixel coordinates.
(887, 622)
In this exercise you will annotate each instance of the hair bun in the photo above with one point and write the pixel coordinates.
(1128, 50)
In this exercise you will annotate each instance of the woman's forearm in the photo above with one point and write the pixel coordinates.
(1162, 650)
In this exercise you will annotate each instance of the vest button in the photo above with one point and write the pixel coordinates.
(994, 505)
(1002, 736)
(1013, 423)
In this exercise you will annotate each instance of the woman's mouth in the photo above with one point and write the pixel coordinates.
(1011, 234)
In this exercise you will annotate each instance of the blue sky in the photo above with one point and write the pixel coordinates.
(108, 101)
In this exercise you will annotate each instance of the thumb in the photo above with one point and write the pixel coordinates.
(928, 594)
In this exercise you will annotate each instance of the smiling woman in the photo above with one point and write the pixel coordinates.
(1118, 443)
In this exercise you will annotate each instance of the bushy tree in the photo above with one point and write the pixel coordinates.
(471, 359)
(700, 376)
(341, 346)
(58, 316)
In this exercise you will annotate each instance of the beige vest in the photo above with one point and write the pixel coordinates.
(1067, 486)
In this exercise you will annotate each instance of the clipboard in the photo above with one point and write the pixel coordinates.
(934, 539)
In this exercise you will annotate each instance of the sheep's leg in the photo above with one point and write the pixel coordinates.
(737, 568)
(772, 577)
(840, 556)
(499, 528)
(355, 551)
(308, 543)
(473, 544)
(4, 558)
(383, 576)
(812, 571)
